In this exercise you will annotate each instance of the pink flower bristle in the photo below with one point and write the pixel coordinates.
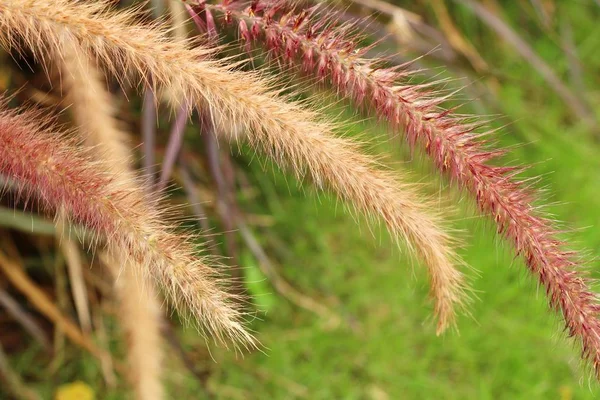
(455, 145)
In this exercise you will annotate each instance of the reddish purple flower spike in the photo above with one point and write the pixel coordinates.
(454, 146)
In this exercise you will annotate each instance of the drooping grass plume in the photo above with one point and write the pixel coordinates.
(139, 310)
(455, 145)
(43, 163)
(287, 132)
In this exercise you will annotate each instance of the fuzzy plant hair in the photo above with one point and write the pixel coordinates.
(289, 133)
(139, 308)
(94, 185)
(456, 144)
(44, 163)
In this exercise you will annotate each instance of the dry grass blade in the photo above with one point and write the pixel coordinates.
(287, 132)
(224, 188)
(389, 9)
(173, 147)
(576, 67)
(45, 306)
(139, 309)
(194, 201)
(72, 255)
(140, 316)
(107, 364)
(455, 38)
(454, 142)
(13, 308)
(149, 118)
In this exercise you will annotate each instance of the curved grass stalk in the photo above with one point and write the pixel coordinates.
(290, 134)
(43, 163)
(457, 149)
(139, 310)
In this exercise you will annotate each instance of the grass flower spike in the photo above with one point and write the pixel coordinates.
(290, 134)
(108, 180)
(64, 177)
(456, 147)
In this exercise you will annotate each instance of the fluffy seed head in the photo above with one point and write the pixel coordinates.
(454, 144)
(290, 134)
(64, 177)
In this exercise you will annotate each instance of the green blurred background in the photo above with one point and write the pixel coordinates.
(384, 346)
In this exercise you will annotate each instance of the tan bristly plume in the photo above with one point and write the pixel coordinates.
(139, 311)
(289, 133)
